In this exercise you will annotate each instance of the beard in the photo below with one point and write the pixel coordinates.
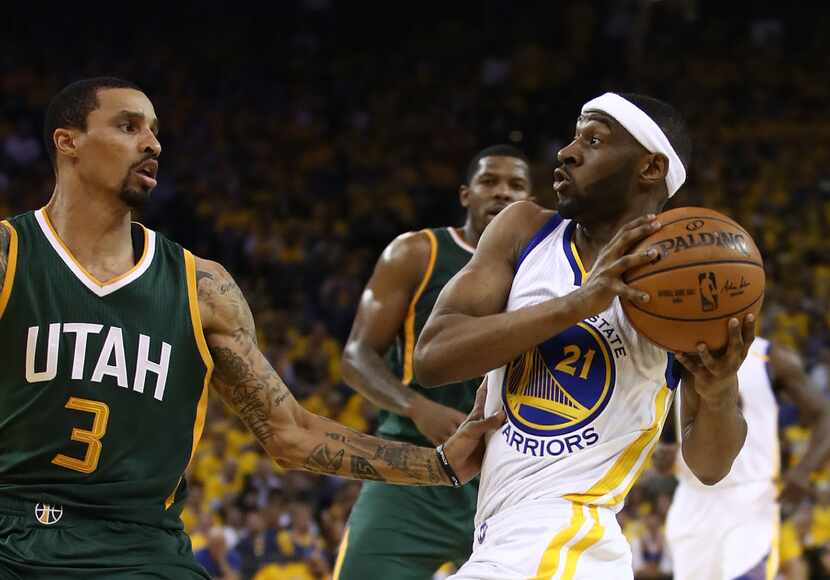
(604, 199)
(133, 197)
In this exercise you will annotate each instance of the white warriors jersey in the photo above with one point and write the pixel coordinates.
(758, 460)
(584, 408)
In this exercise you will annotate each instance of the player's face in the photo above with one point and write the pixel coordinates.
(498, 182)
(597, 171)
(120, 148)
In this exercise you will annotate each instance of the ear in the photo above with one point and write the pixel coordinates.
(464, 196)
(655, 168)
(66, 142)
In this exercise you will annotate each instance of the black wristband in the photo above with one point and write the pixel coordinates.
(442, 459)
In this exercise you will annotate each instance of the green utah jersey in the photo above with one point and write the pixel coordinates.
(104, 385)
(448, 254)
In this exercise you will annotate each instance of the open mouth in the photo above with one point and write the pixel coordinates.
(561, 179)
(147, 171)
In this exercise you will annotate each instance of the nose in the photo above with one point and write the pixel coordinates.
(151, 144)
(569, 154)
(503, 192)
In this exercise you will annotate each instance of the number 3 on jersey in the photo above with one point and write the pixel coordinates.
(91, 437)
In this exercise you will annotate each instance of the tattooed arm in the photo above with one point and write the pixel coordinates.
(293, 436)
(4, 254)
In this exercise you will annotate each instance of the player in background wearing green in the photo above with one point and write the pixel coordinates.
(407, 532)
(110, 336)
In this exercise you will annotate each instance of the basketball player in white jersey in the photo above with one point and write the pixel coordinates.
(585, 395)
(729, 531)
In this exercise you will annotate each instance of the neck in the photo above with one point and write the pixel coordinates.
(469, 233)
(590, 237)
(95, 227)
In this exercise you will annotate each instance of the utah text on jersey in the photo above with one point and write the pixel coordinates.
(106, 352)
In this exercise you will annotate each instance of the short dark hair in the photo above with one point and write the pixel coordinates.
(494, 151)
(669, 120)
(73, 104)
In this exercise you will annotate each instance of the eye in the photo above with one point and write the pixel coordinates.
(594, 140)
(128, 127)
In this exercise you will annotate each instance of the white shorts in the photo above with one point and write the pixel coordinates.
(557, 540)
(724, 534)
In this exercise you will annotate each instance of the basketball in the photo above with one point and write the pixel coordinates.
(707, 271)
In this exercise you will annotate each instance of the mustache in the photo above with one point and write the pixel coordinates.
(146, 158)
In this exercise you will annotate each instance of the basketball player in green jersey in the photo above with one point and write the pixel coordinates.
(407, 532)
(110, 336)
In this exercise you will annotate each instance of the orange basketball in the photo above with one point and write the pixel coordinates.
(708, 270)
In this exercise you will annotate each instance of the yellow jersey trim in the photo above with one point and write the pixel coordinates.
(201, 343)
(341, 555)
(11, 268)
(409, 322)
(578, 260)
(80, 266)
(627, 461)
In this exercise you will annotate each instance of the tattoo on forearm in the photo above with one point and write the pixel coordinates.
(323, 460)
(362, 457)
(394, 456)
(362, 469)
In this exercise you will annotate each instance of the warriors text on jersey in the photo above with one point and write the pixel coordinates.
(104, 385)
(584, 408)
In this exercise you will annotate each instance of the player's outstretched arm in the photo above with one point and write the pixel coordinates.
(381, 314)
(714, 429)
(468, 332)
(301, 440)
(788, 372)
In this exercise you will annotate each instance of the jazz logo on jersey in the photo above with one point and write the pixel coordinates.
(48, 514)
(556, 389)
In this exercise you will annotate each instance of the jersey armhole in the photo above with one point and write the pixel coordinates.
(11, 267)
(201, 344)
(537, 238)
(409, 321)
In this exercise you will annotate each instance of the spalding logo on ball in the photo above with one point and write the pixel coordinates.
(707, 270)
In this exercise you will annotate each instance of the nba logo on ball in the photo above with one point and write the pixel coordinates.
(708, 285)
(708, 270)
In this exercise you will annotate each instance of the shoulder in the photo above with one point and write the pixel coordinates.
(211, 277)
(514, 227)
(408, 255)
(221, 302)
(409, 246)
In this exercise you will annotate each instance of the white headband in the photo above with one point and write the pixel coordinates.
(643, 129)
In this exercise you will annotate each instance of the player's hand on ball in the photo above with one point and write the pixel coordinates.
(465, 449)
(715, 373)
(605, 281)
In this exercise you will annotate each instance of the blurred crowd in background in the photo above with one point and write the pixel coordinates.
(295, 150)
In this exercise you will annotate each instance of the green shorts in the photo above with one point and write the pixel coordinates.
(407, 533)
(41, 542)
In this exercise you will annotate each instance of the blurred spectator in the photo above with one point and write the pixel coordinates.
(650, 556)
(219, 561)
